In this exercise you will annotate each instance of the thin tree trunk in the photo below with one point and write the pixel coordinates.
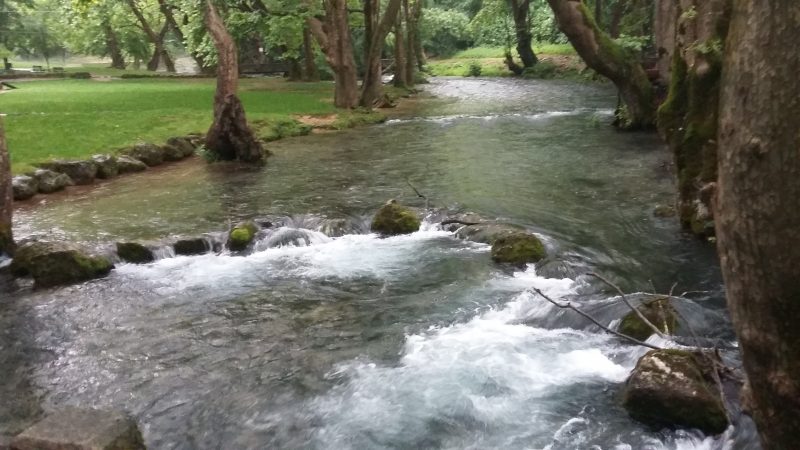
(758, 219)
(6, 197)
(112, 45)
(334, 38)
(310, 66)
(419, 51)
(616, 18)
(372, 87)
(411, 47)
(606, 57)
(160, 53)
(166, 9)
(598, 13)
(229, 138)
(520, 10)
(152, 36)
(399, 54)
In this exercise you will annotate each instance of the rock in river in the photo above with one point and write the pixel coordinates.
(242, 235)
(57, 263)
(107, 166)
(393, 219)
(675, 388)
(24, 187)
(50, 181)
(80, 172)
(135, 253)
(82, 429)
(126, 164)
(149, 154)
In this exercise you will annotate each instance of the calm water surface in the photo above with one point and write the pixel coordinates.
(357, 342)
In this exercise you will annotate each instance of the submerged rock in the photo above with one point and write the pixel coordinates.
(172, 153)
(488, 233)
(658, 311)
(664, 211)
(80, 172)
(49, 181)
(135, 253)
(674, 388)
(57, 263)
(242, 235)
(24, 187)
(518, 248)
(393, 219)
(188, 247)
(126, 164)
(149, 154)
(183, 144)
(82, 429)
(106, 166)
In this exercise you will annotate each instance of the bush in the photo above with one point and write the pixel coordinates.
(445, 32)
(474, 69)
(80, 75)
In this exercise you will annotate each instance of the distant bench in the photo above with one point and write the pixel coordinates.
(37, 69)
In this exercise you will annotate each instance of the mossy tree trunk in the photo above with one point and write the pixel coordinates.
(372, 85)
(412, 34)
(332, 33)
(6, 197)
(229, 137)
(520, 10)
(758, 219)
(310, 71)
(688, 117)
(609, 59)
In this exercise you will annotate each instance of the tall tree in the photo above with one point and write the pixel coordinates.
(520, 10)
(609, 59)
(229, 138)
(112, 45)
(758, 219)
(6, 197)
(332, 32)
(372, 85)
(157, 39)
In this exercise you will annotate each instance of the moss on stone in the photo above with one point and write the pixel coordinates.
(659, 312)
(518, 248)
(242, 235)
(134, 252)
(393, 219)
(53, 264)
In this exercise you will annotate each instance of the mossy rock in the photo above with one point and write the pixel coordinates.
(171, 153)
(674, 388)
(126, 164)
(393, 219)
(488, 233)
(135, 253)
(57, 263)
(80, 172)
(193, 246)
(107, 166)
(242, 235)
(184, 144)
(518, 249)
(149, 154)
(659, 312)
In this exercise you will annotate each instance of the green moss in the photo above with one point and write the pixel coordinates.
(242, 235)
(66, 267)
(393, 219)
(276, 128)
(518, 248)
(659, 312)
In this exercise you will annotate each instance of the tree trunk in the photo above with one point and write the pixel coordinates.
(520, 9)
(616, 17)
(688, 117)
(6, 197)
(598, 13)
(166, 9)
(372, 86)
(333, 36)
(229, 138)
(156, 39)
(113, 48)
(419, 52)
(411, 46)
(758, 219)
(609, 59)
(295, 70)
(310, 72)
(399, 54)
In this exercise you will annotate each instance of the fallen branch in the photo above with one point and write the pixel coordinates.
(628, 303)
(419, 194)
(569, 305)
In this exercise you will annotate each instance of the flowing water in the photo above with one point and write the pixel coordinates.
(330, 337)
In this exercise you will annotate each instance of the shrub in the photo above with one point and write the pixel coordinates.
(474, 69)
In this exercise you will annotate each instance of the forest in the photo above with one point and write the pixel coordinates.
(351, 224)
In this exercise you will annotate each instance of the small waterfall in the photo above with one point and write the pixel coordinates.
(291, 237)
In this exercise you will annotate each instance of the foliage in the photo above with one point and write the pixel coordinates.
(474, 69)
(444, 32)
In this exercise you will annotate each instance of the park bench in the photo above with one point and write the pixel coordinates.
(37, 69)
(57, 70)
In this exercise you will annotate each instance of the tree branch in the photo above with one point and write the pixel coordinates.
(628, 303)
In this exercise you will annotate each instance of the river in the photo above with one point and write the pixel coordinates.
(350, 341)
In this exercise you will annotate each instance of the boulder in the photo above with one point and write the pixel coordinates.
(658, 311)
(242, 235)
(126, 164)
(194, 246)
(57, 263)
(488, 233)
(80, 172)
(518, 248)
(664, 211)
(674, 388)
(393, 219)
(135, 253)
(107, 166)
(24, 187)
(184, 144)
(81, 429)
(149, 154)
(172, 153)
(49, 181)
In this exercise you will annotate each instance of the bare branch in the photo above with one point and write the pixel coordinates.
(569, 305)
(628, 303)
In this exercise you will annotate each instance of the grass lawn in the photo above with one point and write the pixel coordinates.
(492, 60)
(77, 118)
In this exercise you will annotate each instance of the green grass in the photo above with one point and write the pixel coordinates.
(499, 52)
(77, 118)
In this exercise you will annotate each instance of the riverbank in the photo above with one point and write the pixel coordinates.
(555, 61)
(75, 119)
